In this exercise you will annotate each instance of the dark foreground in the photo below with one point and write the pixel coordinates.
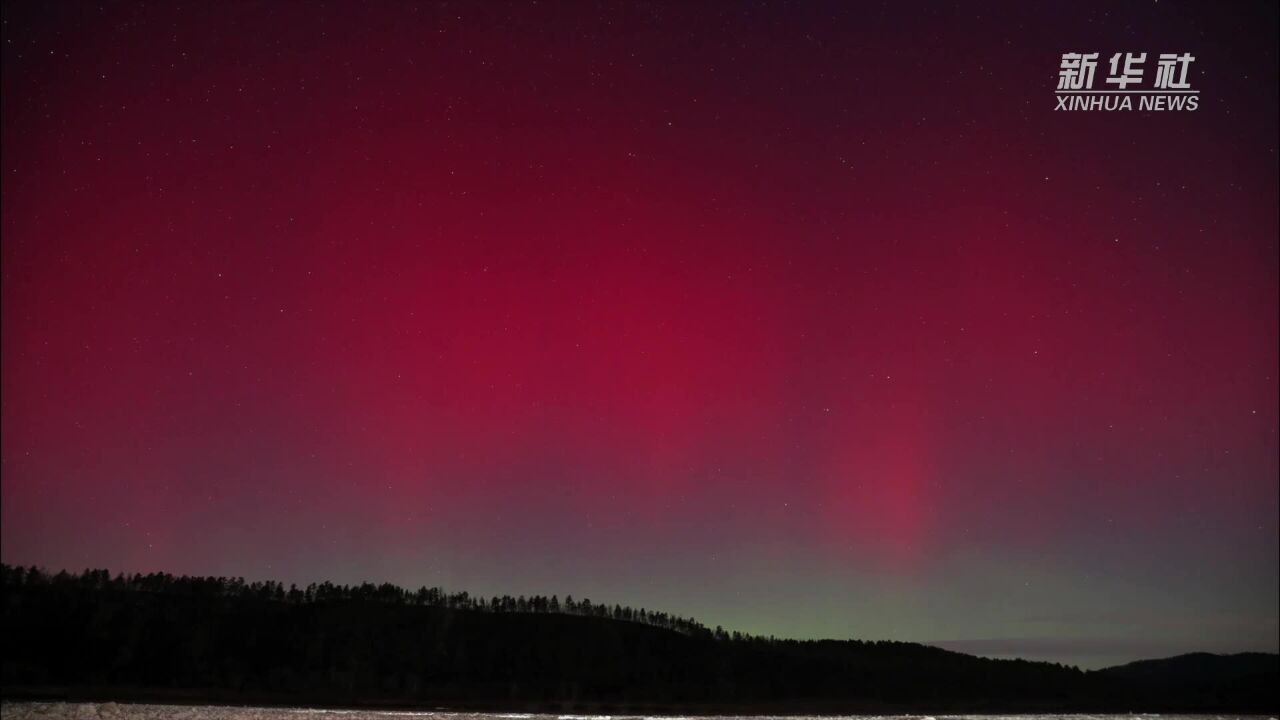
(111, 643)
(116, 711)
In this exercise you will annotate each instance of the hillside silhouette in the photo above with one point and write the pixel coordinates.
(97, 636)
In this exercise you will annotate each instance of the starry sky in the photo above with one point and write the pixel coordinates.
(806, 319)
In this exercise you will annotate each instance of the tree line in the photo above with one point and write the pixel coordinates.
(323, 592)
(161, 637)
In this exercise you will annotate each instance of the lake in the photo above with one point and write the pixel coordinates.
(128, 711)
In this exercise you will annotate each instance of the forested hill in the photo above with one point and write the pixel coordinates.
(98, 636)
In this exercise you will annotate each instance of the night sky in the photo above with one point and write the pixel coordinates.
(806, 319)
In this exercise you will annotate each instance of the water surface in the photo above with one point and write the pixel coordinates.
(129, 711)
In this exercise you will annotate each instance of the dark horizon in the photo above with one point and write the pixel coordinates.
(461, 599)
(195, 641)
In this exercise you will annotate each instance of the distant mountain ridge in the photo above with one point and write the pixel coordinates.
(158, 637)
(1202, 670)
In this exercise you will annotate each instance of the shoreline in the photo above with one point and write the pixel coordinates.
(584, 709)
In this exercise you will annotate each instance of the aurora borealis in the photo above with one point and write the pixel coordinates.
(812, 320)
